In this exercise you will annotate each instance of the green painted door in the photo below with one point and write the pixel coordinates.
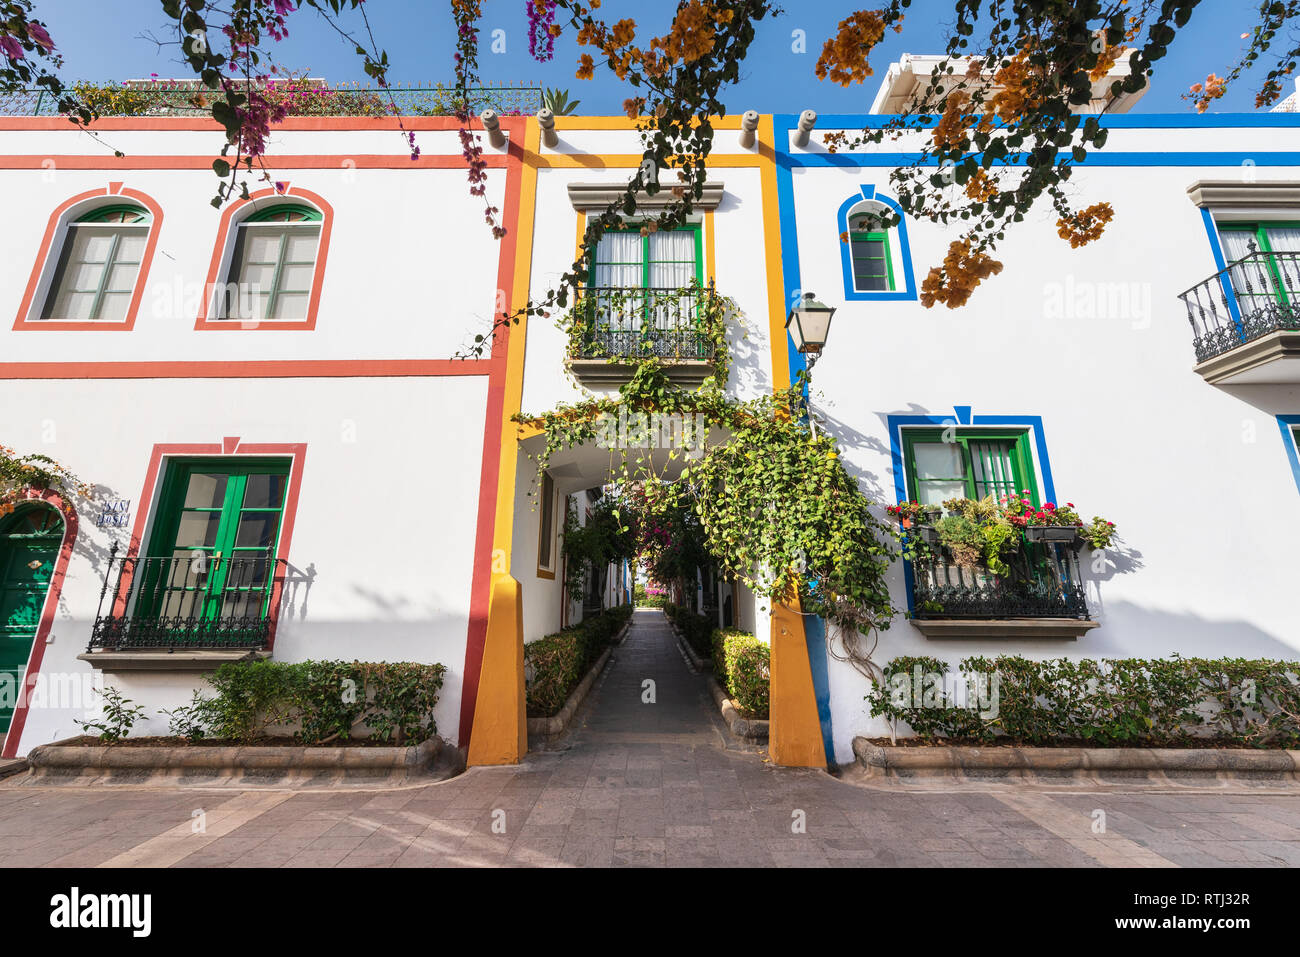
(29, 546)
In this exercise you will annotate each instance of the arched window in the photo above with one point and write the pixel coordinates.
(874, 251)
(99, 266)
(272, 266)
(869, 249)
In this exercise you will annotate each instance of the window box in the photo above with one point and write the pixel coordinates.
(1063, 534)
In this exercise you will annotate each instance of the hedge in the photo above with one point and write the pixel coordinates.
(554, 665)
(744, 671)
(325, 700)
(695, 628)
(1109, 701)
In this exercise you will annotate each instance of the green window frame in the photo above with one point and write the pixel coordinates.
(870, 255)
(1284, 275)
(645, 261)
(285, 264)
(101, 275)
(872, 261)
(212, 550)
(988, 461)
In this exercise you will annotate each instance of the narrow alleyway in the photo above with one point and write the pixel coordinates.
(639, 783)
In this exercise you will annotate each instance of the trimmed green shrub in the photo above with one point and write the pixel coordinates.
(1110, 701)
(556, 663)
(745, 670)
(696, 629)
(325, 700)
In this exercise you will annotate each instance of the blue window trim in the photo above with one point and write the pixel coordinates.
(1220, 264)
(962, 418)
(1286, 423)
(867, 192)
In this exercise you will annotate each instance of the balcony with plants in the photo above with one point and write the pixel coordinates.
(611, 329)
(1245, 320)
(998, 566)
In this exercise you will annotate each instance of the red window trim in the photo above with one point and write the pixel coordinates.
(224, 242)
(25, 323)
(229, 448)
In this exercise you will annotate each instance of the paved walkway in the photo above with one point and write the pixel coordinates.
(649, 784)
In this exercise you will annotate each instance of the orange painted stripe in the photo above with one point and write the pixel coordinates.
(243, 369)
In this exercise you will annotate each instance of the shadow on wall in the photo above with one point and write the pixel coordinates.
(748, 371)
(851, 439)
(1167, 632)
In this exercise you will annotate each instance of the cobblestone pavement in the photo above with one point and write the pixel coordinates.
(651, 784)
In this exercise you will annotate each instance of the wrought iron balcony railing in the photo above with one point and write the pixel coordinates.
(633, 323)
(301, 98)
(197, 601)
(1252, 297)
(1044, 582)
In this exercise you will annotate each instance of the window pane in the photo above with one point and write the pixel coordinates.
(113, 307)
(261, 244)
(673, 244)
(290, 306)
(264, 491)
(296, 278)
(938, 460)
(619, 248)
(122, 278)
(936, 493)
(301, 246)
(130, 245)
(83, 277)
(992, 471)
(257, 529)
(206, 490)
(671, 275)
(198, 529)
(258, 278)
(73, 306)
(92, 245)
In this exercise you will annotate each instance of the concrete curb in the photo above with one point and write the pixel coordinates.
(557, 723)
(10, 766)
(880, 760)
(751, 729)
(264, 765)
(698, 663)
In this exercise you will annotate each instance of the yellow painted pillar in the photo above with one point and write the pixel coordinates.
(500, 734)
(794, 731)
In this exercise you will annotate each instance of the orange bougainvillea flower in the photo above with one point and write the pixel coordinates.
(1212, 89)
(1081, 228)
(963, 269)
(586, 67)
(844, 56)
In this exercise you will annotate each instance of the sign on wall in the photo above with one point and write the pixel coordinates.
(115, 514)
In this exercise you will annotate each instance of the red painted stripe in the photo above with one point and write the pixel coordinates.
(481, 584)
(335, 123)
(240, 369)
(283, 161)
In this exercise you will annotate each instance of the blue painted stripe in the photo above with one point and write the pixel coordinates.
(1220, 264)
(1125, 121)
(1286, 423)
(1099, 158)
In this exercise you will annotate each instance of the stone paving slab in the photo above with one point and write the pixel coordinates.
(638, 784)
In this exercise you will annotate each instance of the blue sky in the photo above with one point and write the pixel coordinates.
(102, 40)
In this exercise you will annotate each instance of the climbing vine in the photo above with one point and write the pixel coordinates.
(22, 475)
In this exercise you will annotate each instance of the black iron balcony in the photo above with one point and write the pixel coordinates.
(634, 323)
(1245, 316)
(198, 601)
(1042, 595)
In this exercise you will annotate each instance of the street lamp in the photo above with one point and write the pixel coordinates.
(809, 323)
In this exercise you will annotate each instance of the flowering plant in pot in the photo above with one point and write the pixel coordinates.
(979, 532)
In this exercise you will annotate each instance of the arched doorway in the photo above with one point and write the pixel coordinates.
(30, 538)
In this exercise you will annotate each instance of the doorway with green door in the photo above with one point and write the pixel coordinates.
(30, 539)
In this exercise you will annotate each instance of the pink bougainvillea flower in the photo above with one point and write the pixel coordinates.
(281, 186)
(11, 47)
(37, 33)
